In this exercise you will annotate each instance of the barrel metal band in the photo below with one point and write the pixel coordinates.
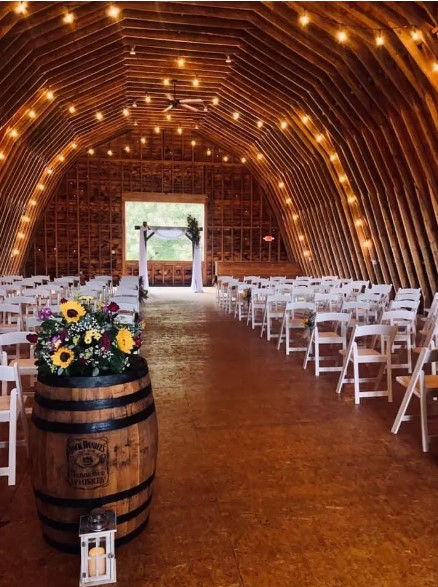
(92, 427)
(96, 404)
(74, 548)
(74, 527)
(95, 502)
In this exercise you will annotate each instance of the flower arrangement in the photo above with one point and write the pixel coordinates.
(85, 342)
(309, 321)
(246, 295)
(193, 230)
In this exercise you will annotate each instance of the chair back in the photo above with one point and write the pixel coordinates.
(405, 305)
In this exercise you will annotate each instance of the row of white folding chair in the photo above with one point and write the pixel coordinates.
(221, 288)
(10, 318)
(126, 291)
(12, 353)
(404, 321)
(275, 308)
(334, 331)
(294, 316)
(12, 410)
(241, 306)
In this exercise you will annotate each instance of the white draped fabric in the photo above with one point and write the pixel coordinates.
(168, 233)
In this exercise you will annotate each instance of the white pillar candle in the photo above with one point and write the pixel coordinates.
(96, 566)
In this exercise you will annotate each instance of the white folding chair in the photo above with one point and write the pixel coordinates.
(243, 298)
(10, 318)
(294, 317)
(11, 409)
(330, 328)
(11, 350)
(274, 311)
(358, 312)
(404, 320)
(421, 385)
(328, 302)
(257, 305)
(369, 355)
(408, 294)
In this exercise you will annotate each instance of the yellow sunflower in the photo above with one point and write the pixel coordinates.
(72, 311)
(63, 357)
(124, 340)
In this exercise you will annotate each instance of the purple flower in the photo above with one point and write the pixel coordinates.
(105, 341)
(44, 313)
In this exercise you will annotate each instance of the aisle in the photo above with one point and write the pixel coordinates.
(265, 478)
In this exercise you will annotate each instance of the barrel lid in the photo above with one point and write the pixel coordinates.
(138, 369)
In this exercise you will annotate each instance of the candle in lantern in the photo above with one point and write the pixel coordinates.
(96, 562)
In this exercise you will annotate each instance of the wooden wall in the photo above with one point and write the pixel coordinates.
(81, 228)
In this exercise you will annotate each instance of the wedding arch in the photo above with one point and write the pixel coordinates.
(168, 232)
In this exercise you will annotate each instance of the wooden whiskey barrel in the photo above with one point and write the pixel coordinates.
(93, 444)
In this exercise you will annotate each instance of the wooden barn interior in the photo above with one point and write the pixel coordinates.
(312, 143)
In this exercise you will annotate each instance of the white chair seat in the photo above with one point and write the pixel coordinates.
(26, 366)
(5, 406)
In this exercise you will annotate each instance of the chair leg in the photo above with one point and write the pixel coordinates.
(309, 348)
(287, 339)
(281, 336)
(424, 427)
(356, 381)
(389, 378)
(12, 446)
(316, 348)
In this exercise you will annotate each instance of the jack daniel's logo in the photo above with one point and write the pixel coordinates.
(87, 462)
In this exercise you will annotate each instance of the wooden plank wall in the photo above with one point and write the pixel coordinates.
(81, 229)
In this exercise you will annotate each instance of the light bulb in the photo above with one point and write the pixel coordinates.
(358, 222)
(20, 235)
(228, 59)
(61, 158)
(236, 115)
(295, 217)
(13, 133)
(179, 130)
(415, 34)
(301, 237)
(283, 125)
(166, 81)
(41, 186)
(243, 160)
(33, 202)
(367, 244)
(209, 152)
(168, 117)
(110, 153)
(127, 149)
(132, 51)
(68, 18)
(380, 40)
(435, 66)
(193, 143)
(125, 112)
(215, 101)
(143, 140)
(259, 123)
(351, 199)
(74, 145)
(333, 157)
(113, 11)
(225, 158)
(25, 219)
(2, 156)
(319, 138)
(91, 151)
(147, 99)
(342, 178)
(49, 171)
(32, 114)
(21, 8)
(50, 95)
(99, 116)
(157, 130)
(259, 156)
(281, 184)
(305, 119)
(342, 36)
(72, 109)
(195, 82)
(181, 62)
(134, 103)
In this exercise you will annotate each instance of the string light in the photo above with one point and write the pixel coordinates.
(2, 156)
(143, 140)
(99, 116)
(359, 222)
(295, 217)
(113, 11)
(13, 133)
(15, 252)
(333, 157)
(166, 81)
(351, 199)
(288, 201)
(195, 81)
(259, 123)
(228, 59)
(380, 40)
(132, 51)
(135, 123)
(342, 178)
(25, 219)
(181, 62)
(215, 101)
(283, 125)
(50, 95)
(147, 99)
(31, 114)
(125, 112)
(134, 103)
(208, 152)
(61, 158)
(259, 156)
(168, 117)
(109, 153)
(74, 145)
(41, 186)
(72, 109)
(157, 130)
(68, 18)
(127, 149)
(20, 235)
(236, 115)
(243, 160)
(301, 237)
(281, 184)
(225, 158)
(304, 20)
(306, 253)
(319, 138)
(342, 36)
(49, 171)
(193, 143)
(179, 130)
(33, 202)
(21, 8)
(367, 244)
(416, 36)
(435, 66)
(91, 151)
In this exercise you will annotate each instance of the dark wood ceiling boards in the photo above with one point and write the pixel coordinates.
(352, 175)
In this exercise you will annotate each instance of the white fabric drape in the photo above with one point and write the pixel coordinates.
(142, 257)
(168, 233)
(197, 270)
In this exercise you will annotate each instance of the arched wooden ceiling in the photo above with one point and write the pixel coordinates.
(347, 150)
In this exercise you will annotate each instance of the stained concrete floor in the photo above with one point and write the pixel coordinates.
(265, 477)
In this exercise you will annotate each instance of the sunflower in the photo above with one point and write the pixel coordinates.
(124, 340)
(63, 357)
(72, 311)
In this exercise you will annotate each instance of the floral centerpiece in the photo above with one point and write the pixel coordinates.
(246, 295)
(309, 321)
(85, 342)
(193, 231)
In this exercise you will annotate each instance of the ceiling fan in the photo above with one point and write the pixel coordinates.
(174, 102)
